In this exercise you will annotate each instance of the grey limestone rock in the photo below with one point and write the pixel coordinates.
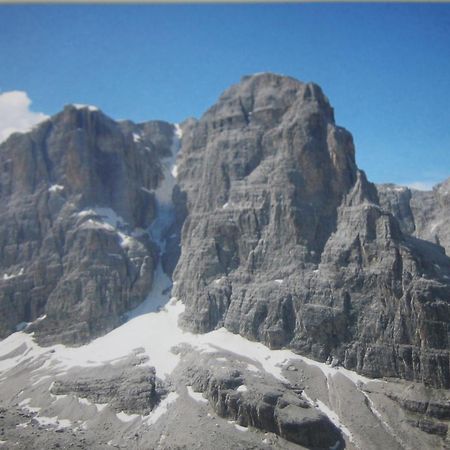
(270, 407)
(283, 238)
(76, 196)
(135, 390)
(286, 242)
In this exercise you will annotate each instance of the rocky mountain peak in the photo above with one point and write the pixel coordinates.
(286, 242)
(263, 100)
(79, 193)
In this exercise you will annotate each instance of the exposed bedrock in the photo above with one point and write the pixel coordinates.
(76, 196)
(285, 240)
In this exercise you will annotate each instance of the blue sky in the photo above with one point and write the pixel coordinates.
(384, 67)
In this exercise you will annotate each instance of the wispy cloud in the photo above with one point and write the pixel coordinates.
(15, 113)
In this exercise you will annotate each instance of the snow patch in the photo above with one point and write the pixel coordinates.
(108, 219)
(127, 417)
(335, 419)
(137, 137)
(92, 224)
(242, 388)
(329, 413)
(219, 280)
(106, 215)
(197, 396)
(378, 415)
(13, 275)
(83, 106)
(238, 427)
(25, 402)
(252, 368)
(53, 421)
(161, 409)
(40, 379)
(55, 188)
(279, 281)
(157, 297)
(164, 191)
(178, 131)
(25, 405)
(58, 396)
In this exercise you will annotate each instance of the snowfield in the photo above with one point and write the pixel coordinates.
(156, 332)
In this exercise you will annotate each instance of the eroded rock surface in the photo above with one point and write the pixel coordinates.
(76, 196)
(286, 242)
(135, 390)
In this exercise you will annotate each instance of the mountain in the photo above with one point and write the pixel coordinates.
(77, 195)
(286, 242)
(309, 306)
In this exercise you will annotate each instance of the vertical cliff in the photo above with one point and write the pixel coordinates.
(285, 241)
(77, 195)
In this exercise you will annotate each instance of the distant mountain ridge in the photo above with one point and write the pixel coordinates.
(424, 214)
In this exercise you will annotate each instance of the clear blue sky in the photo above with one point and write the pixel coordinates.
(385, 67)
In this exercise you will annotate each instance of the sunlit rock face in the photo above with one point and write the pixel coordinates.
(285, 240)
(76, 195)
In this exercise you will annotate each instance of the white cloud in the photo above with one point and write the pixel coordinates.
(422, 185)
(15, 113)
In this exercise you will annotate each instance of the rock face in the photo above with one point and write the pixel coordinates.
(76, 195)
(133, 391)
(424, 214)
(286, 242)
(268, 406)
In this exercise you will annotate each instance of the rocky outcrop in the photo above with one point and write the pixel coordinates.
(134, 391)
(77, 195)
(285, 241)
(424, 214)
(268, 407)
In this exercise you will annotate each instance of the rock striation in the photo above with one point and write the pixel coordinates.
(286, 242)
(283, 238)
(77, 195)
(271, 407)
(134, 391)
